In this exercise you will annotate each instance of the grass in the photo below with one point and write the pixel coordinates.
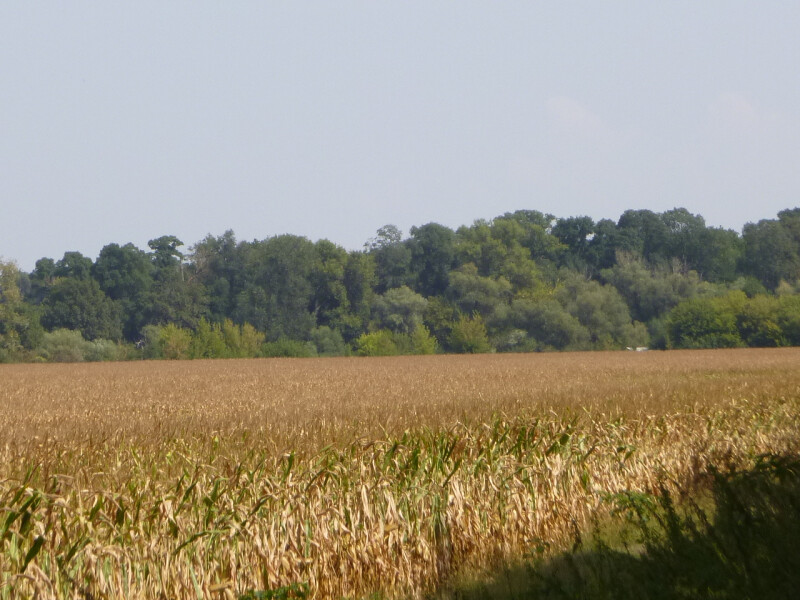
(218, 479)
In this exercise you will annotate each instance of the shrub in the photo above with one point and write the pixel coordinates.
(104, 350)
(64, 345)
(208, 341)
(706, 322)
(289, 349)
(422, 342)
(468, 335)
(377, 343)
(175, 342)
(328, 342)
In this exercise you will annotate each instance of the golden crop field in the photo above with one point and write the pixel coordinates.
(209, 479)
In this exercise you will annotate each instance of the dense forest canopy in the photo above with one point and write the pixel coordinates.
(524, 281)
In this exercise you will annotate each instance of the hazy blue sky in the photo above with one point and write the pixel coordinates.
(121, 122)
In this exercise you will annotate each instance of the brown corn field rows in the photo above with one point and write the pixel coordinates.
(208, 479)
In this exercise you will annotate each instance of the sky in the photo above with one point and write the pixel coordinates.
(122, 122)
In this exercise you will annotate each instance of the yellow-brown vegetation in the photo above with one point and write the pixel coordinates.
(211, 478)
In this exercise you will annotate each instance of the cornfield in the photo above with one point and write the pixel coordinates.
(209, 479)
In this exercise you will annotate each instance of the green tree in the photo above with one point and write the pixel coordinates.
(278, 292)
(432, 257)
(80, 304)
(400, 309)
(706, 322)
(391, 258)
(174, 342)
(576, 233)
(496, 251)
(771, 253)
(218, 264)
(329, 303)
(64, 345)
(73, 265)
(16, 321)
(685, 233)
(165, 251)
(643, 232)
(602, 311)
(439, 317)
(125, 274)
(547, 323)
(173, 296)
(172, 299)
(208, 341)
(473, 293)
(719, 252)
(286, 348)
(41, 278)
(328, 342)
(649, 292)
(376, 343)
(757, 322)
(468, 335)
(241, 341)
(422, 342)
(536, 235)
(601, 252)
(788, 318)
(359, 280)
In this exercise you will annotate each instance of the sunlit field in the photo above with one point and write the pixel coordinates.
(211, 479)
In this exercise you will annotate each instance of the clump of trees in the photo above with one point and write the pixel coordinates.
(524, 281)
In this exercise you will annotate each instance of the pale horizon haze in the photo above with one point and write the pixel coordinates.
(123, 122)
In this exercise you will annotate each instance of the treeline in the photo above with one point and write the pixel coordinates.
(524, 281)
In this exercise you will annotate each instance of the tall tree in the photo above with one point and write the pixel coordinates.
(13, 321)
(219, 265)
(643, 232)
(770, 253)
(576, 233)
(174, 297)
(392, 259)
(278, 293)
(400, 310)
(432, 257)
(74, 265)
(125, 274)
(81, 305)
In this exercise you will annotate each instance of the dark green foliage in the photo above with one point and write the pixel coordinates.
(432, 257)
(771, 252)
(534, 282)
(643, 233)
(81, 305)
(392, 259)
(218, 265)
(125, 274)
(649, 292)
(602, 311)
(74, 265)
(706, 322)
(165, 251)
(576, 233)
(278, 290)
(547, 322)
